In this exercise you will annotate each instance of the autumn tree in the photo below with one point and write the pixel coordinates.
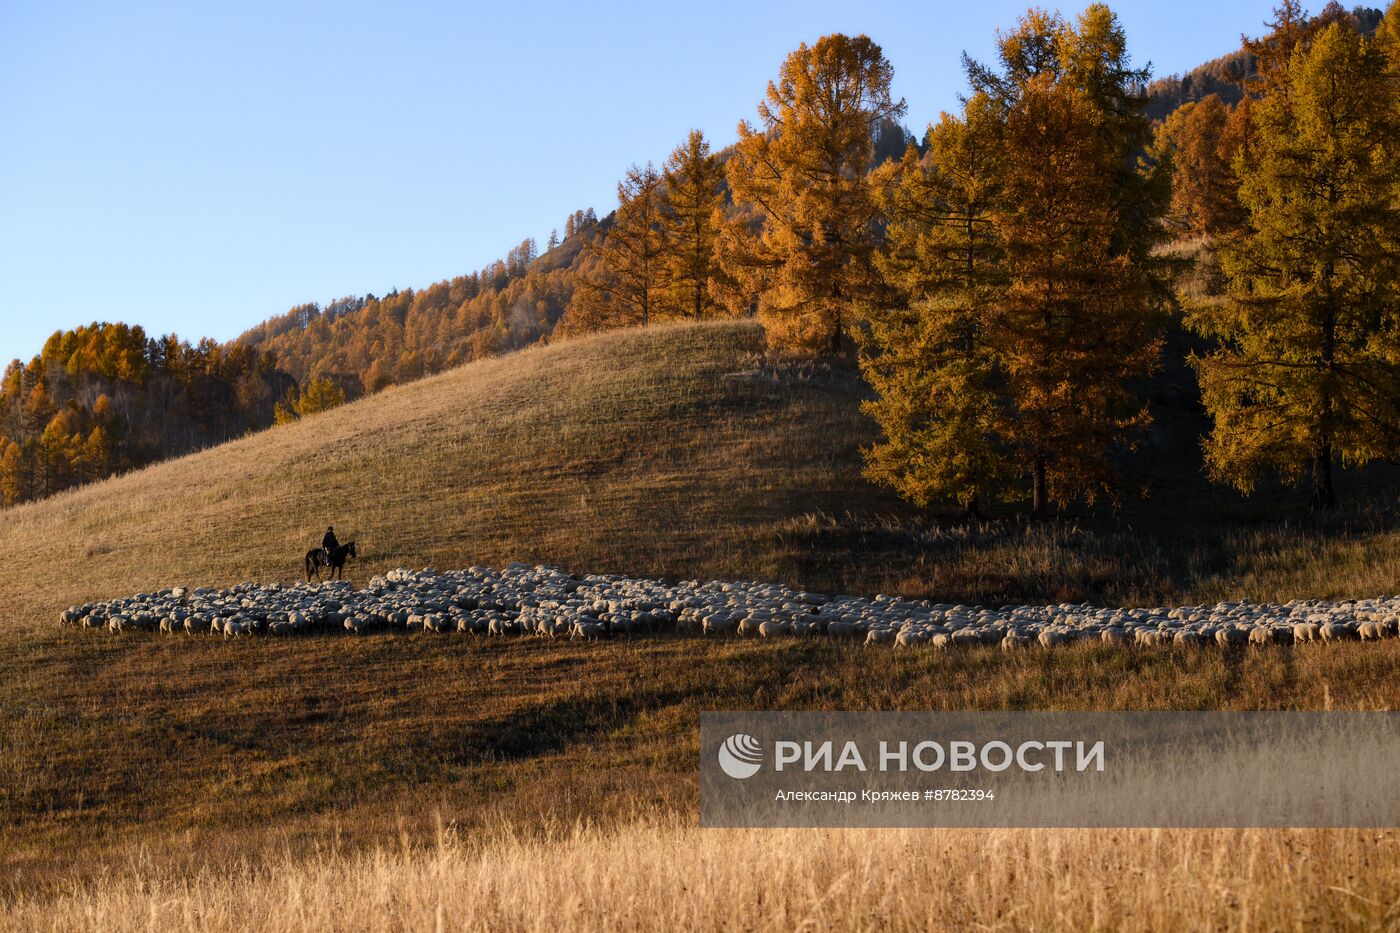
(927, 351)
(802, 168)
(1077, 217)
(1290, 28)
(16, 471)
(692, 216)
(1308, 367)
(1202, 146)
(626, 283)
(1388, 36)
(320, 394)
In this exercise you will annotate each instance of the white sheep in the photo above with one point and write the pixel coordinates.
(841, 628)
(588, 631)
(880, 636)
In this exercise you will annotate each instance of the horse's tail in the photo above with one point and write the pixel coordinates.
(310, 564)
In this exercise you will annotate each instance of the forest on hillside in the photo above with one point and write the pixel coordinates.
(1006, 282)
(105, 398)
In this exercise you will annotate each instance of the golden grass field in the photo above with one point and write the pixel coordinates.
(151, 782)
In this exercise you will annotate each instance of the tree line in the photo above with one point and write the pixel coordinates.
(360, 345)
(105, 398)
(1001, 281)
(1004, 284)
(1302, 208)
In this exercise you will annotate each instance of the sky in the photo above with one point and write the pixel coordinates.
(199, 167)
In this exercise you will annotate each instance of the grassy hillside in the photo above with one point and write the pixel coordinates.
(676, 452)
(667, 452)
(671, 451)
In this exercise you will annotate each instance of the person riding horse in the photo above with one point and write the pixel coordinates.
(331, 555)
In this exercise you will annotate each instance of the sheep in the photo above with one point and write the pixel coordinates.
(688, 621)
(842, 629)
(1231, 637)
(588, 631)
(357, 624)
(749, 625)
(1336, 631)
(1148, 638)
(771, 629)
(719, 624)
(1185, 638)
(880, 636)
(911, 637)
(545, 602)
(964, 638)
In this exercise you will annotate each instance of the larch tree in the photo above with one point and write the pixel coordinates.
(939, 400)
(1202, 150)
(626, 282)
(1388, 35)
(1076, 323)
(803, 170)
(1308, 367)
(693, 214)
(1290, 28)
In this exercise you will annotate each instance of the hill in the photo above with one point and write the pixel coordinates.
(667, 451)
(1225, 76)
(673, 451)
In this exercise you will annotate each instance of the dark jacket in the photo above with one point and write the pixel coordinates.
(329, 542)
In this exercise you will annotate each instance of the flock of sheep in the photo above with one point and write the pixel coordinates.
(522, 600)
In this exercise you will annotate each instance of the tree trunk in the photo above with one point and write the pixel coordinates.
(971, 510)
(1040, 492)
(836, 338)
(1323, 495)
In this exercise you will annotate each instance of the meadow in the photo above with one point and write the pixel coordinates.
(387, 782)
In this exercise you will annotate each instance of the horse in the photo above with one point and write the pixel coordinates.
(317, 557)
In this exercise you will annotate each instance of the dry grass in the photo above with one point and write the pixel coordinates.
(659, 872)
(201, 751)
(669, 452)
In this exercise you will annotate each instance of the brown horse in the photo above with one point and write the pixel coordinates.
(317, 558)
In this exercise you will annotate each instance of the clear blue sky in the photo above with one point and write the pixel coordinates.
(198, 167)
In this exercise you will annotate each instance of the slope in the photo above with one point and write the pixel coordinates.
(672, 451)
(665, 452)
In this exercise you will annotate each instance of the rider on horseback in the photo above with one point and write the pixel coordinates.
(329, 543)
